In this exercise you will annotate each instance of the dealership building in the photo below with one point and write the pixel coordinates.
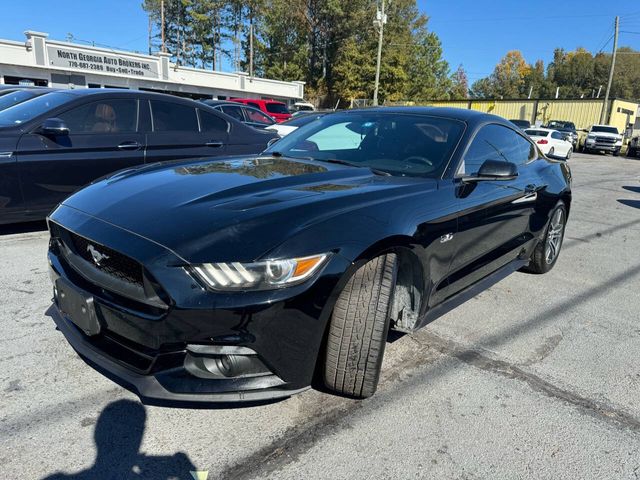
(44, 62)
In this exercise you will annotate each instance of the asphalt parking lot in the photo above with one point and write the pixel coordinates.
(537, 377)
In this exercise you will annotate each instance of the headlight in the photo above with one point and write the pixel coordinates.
(265, 275)
(591, 137)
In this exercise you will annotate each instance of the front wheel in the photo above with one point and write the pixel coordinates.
(569, 152)
(358, 329)
(546, 253)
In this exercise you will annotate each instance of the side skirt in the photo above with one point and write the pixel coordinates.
(470, 292)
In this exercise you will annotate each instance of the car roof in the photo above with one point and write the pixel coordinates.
(541, 129)
(263, 100)
(463, 114)
(87, 92)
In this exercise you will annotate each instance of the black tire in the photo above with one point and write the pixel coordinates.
(585, 149)
(551, 152)
(616, 153)
(539, 262)
(569, 152)
(358, 329)
(631, 152)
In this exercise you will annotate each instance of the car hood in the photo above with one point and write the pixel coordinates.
(234, 209)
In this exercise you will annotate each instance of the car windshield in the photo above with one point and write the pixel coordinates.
(561, 125)
(536, 133)
(603, 129)
(277, 108)
(14, 98)
(395, 143)
(25, 111)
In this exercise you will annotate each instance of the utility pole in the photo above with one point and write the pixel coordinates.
(381, 19)
(149, 31)
(251, 48)
(605, 107)
(164, 49)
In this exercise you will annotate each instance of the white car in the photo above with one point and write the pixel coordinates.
(551, 142)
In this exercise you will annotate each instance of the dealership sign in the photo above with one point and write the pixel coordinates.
(97, 62)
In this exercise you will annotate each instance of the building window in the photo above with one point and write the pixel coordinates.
(37, 82)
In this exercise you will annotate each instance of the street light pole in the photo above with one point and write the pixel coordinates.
(381, 19)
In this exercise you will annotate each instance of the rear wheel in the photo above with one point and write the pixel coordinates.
(546, 253)
(551, 152)
(632, 152)
(358, 329)
(569, 152)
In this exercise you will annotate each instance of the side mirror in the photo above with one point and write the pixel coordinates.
(494, 170)
(53, 126)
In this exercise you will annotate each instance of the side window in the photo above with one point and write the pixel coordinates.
(495, 142)
(556, 135)
(254, 105)
(526, 151)
(212, 123)
(104, 116)
(257, 117)
(233, 111)
(173, 117)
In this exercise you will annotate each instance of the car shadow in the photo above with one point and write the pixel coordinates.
(26, 227)
(630, 203)
(118, 436)
(632, 189)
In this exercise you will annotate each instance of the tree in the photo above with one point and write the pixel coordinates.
(459, 84)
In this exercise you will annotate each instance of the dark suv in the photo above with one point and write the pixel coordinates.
(53, 144)
(568, 128)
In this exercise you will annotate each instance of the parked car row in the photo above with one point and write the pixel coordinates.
(59, 141)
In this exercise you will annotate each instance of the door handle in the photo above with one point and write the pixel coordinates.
(214, 144)
(129, 146)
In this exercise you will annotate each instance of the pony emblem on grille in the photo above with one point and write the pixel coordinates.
(96, 255)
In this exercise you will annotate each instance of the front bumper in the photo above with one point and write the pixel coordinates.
(152, 388)
(607, 147)
(146, 347)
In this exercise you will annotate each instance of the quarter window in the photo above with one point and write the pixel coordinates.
(495, 142)
(104, 116)
(173, 117)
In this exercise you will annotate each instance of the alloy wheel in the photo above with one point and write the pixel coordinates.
(554, 236)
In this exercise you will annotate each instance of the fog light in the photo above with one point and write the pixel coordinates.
(224, 366)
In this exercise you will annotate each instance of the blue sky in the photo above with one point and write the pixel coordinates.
(474, 33)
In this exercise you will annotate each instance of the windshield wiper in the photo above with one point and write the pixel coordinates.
(350, 164)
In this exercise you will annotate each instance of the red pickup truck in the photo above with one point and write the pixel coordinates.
(273, 108)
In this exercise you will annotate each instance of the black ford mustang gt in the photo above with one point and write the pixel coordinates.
(238, 279)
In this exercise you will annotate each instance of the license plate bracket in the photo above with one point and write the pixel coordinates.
(78, 307)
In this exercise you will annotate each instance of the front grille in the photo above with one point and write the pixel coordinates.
(605, 140)
(109, 261)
